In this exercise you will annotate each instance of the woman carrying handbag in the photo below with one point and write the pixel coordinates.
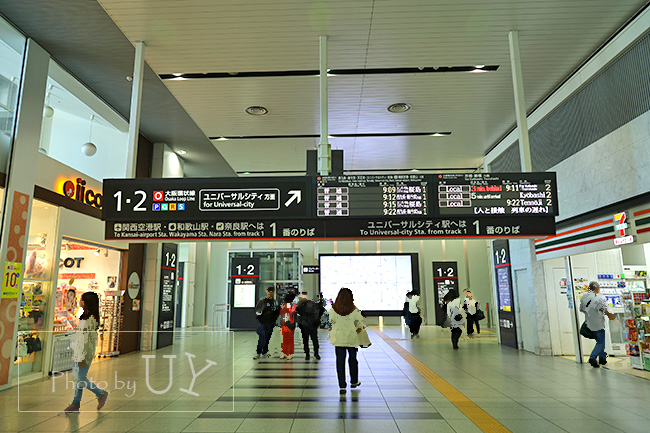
(347, 324)
(83, 348)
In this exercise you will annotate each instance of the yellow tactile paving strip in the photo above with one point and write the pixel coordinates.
(478, 416)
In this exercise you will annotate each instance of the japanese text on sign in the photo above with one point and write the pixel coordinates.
(239, 199)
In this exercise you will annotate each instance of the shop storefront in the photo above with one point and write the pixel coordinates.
(615, 251)
(65, 258)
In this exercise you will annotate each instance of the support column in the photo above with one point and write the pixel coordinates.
(134, 113)
(19, 192)
(324, 148)
(520, 102)
(575, 321)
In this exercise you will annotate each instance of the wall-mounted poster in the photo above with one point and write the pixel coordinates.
(111, 282)
(245, 294)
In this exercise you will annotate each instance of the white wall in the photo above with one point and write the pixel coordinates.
(427, 250)
(70, 132)
(531, 305)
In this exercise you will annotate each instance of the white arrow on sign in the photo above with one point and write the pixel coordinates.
(296, 195)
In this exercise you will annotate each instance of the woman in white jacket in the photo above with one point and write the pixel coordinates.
(83, 351)
(347, 322)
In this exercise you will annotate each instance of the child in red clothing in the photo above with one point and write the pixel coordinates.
(288, 324)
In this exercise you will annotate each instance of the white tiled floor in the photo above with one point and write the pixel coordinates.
(524, 392)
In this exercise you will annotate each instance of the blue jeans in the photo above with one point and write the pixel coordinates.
(264, 332)
(599, 348)
(81, 382)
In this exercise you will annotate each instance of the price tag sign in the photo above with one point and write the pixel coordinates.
(11, 280)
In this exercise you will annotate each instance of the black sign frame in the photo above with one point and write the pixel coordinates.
(445, 278)
(504, 291)
(247, 270)
(167, 289)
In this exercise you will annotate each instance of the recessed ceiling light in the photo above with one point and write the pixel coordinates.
(257, 110)
(221, 139)
(414, 169)
(246, 172)
(181, 152)
(479, 70)
(399, 107)
(480, 66)
(178, 74)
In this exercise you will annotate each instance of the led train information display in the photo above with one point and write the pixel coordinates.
(363, 206)
(522, 194)
(372, 195)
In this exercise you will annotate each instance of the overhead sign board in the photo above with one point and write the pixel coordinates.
(494, 194)
(354, 228)
(203, 199)
(372, 195)
(331, 207)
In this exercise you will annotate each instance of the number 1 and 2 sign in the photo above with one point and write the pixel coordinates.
(11, 280)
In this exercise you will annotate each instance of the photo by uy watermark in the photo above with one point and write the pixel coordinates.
(197, 367)
(130, 386)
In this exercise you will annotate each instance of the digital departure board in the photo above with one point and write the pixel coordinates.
(372, 195)
(495, 194)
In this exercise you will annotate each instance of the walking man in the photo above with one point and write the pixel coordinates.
(595, 308)
(309, 313)
(266, 313)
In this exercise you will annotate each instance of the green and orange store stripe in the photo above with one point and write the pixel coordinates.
(599, 231)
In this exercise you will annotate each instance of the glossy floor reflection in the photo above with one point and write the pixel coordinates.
(520, 392)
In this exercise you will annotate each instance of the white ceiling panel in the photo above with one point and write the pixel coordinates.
(234, 36)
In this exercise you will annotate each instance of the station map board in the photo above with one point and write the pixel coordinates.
(486, 205)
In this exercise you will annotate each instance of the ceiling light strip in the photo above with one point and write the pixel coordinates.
(379, 134)
(382, 170)
(331, 72)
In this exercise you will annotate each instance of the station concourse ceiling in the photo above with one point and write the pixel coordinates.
(208, 60)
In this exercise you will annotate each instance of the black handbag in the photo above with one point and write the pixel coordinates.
(586, 332)
(33, 344)
(480, 315)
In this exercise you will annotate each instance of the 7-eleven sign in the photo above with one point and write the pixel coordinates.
(621, 226)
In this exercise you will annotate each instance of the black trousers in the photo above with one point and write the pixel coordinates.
(471, 321)
(308, 332)
(264, 332)
(352, 362)
(455, 336)
(415, 321)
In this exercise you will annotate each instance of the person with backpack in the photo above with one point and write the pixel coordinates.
(266, 313)
(308, 319)
(455, 319)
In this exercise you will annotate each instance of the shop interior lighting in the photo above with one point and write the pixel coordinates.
(181, 152)
(97, 252)
(106, 253)
(43, 241)
(67, 246)
(89, 148)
